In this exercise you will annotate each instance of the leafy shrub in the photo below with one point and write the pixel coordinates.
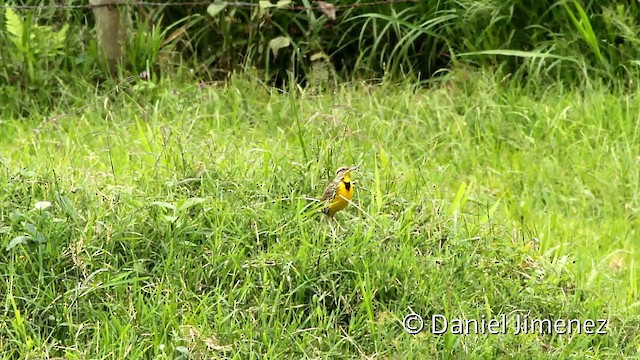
(563, 40)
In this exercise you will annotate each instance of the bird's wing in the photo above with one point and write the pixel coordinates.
(330, 191)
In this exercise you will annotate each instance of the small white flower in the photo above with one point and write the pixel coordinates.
(42, 205)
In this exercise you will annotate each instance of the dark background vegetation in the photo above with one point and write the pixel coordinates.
(567, 41)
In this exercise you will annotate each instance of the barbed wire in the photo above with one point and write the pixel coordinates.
(194, 3)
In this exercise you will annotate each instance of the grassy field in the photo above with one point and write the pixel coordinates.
(180, 224)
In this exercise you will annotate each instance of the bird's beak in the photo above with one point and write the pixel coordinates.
(353, 168)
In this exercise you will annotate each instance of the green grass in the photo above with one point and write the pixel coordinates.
(180, 224)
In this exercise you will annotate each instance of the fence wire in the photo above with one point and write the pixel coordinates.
(196, 3)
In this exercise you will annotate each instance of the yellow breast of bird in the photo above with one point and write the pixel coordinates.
(345, 193)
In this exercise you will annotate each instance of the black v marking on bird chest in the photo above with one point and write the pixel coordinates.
(347, 185)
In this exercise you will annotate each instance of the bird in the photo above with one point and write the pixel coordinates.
(339, 192)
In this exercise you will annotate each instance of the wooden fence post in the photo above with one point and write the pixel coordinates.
(110, 30)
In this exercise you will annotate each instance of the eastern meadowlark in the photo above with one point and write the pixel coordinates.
(339, 192)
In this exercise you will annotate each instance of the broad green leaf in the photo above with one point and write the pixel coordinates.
(265, 4)
(384, 159)
(456, 205)
(279, 43)
(18, 240)
(35, 233)
(16, 216)
(283, 4)
(190, 203)
(42, 205)
(31, 229)
(163, 204)
(14, 27)
(69, 208)
(169, 218)
(215, 8)
(183, 350)
(61, 36)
